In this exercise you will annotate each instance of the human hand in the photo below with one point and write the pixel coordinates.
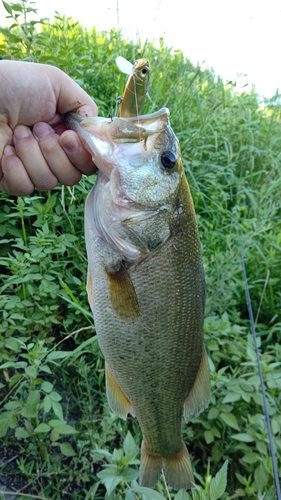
(38, 95)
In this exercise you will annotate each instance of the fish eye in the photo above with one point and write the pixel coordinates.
(168, 159)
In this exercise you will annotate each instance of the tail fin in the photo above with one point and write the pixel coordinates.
(177, 468)
(150, 467)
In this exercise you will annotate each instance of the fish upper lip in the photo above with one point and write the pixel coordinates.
(139, 118)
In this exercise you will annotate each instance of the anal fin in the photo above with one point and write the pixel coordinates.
(117, 400)
(199, 396)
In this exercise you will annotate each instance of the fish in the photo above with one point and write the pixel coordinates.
(146, 284)
(136, 87)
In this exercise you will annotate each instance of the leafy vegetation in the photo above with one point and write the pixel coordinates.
(57, 434)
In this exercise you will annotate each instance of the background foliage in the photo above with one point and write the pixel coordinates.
(56, 430)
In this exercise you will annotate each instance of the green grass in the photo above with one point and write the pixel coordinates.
(53, 412)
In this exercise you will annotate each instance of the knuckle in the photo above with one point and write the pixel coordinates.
(49, 145)
(74, 178)
(24, 145)
(47, 183)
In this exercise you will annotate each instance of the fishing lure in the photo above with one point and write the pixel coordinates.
(136, 87)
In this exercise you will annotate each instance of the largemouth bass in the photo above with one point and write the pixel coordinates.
(146, 284)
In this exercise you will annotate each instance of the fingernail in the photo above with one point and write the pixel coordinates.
(41, 129)
(21, 132)
(9, 151)
(70, 144)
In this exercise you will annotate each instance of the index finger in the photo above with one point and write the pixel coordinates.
(6, 136)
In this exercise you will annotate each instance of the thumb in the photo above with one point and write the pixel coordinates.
(71, 97)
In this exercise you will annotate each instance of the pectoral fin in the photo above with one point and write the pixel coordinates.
(199, 396)
(122, 294)
(117, 400)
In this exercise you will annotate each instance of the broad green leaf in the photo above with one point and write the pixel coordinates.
(108, 471)
(7, 419)
(111, 482)
(55, 396)
(215, 432)
(42, 428)
(22, 433)
(262, 447)
(243, 480)
(213, 413)
(8, 8)
(54, 436)
(65, 429)
(46, 369)
(149, 493)
(261, 477)
(218, 483)
(231, 397)
(199, 494)
(129, 446)
(230, 420)
(28, 426)
(47, 387)
(275, 426)
(251, 458)
(117, 455)
(54, 355)
(182, 495)
(31, 371)
(12, 364)
(111, 477)
(209, 437)
(114, 495)
(250, 349)
(129, 495)
(55, 422)
(67, 449)
(104, 453)
(13, 344)
(47, 403)
(129, 474)
(244, 437)
(33, 399)
(246, 396)
(13, 405)
(57, 408)
(30, 408)
(17, 7)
